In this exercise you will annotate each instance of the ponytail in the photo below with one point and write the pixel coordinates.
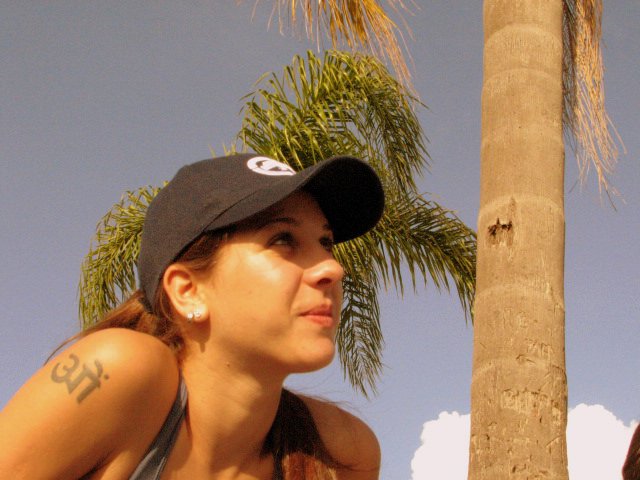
(135, 315)
(132, 314)
(297, 447)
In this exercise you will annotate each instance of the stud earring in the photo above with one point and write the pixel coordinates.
(195, 315)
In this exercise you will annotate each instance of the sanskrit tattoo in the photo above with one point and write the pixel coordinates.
(70, 375)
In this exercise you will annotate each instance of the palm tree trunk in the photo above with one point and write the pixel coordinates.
(518, 387)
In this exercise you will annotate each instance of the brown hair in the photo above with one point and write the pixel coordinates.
(296, 445)
(631, 468)
(293, 440)
(133, 313)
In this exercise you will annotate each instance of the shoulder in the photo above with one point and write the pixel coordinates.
(125, 363)
(104, 393)
(133, 355)
(349, 439)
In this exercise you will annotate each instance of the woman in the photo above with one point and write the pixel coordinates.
(238, 289)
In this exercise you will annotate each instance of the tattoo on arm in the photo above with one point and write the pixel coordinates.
(69, 375)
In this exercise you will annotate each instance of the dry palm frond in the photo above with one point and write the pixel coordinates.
(361, 25)
(592, 135)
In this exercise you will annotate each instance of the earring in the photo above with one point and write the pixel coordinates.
(195, 315)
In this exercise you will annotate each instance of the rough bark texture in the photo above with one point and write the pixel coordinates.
(518, 388)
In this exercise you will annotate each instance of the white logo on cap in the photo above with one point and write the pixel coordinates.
(269, 166)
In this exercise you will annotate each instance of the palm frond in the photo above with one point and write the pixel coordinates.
(342, 103)
(589, 129)
(358, 25)
(108, 270)
(432, 242)
(359, 337)
(350, 104)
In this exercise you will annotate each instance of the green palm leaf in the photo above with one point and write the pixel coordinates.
(340, 104)
(349, 104)
(108, 270)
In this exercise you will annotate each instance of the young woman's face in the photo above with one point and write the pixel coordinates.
(275, 292)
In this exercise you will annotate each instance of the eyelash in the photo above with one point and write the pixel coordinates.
(289, 239)
(327, 243)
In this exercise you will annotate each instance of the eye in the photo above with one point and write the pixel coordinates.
(328, 243)
(283, 238)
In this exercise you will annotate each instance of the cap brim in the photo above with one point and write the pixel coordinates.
(347, 190)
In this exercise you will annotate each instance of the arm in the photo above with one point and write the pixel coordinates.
(87, 405)
(349, 440)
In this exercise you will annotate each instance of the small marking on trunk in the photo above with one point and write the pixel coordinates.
(499, 227)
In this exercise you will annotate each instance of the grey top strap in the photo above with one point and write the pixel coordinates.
(151, 466)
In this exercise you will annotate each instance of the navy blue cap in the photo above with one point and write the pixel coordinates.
(219, 192)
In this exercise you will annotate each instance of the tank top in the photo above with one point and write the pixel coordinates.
(152, 464)
(154, 461)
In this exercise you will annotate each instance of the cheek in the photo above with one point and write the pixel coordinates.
(255, 282)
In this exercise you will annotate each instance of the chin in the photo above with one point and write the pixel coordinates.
(312, 361)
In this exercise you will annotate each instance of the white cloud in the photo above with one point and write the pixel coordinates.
(597, 443)
(444, 453)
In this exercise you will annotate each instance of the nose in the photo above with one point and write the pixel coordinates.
(325, 273)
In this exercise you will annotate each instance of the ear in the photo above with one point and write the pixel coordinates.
(184, 290)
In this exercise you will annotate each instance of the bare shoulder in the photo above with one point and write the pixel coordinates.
(102, 394)
(135, 355)
(122, 363)
(349, 440)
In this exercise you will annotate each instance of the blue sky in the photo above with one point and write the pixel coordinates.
(102, 97)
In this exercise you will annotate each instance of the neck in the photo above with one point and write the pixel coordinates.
(230, 412)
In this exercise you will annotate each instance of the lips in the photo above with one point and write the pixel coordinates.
(322, 315)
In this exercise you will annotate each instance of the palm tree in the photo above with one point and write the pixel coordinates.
(340, 104)
(358, 25)
(519, 386)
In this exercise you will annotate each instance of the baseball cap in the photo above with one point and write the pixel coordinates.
(219, 192)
